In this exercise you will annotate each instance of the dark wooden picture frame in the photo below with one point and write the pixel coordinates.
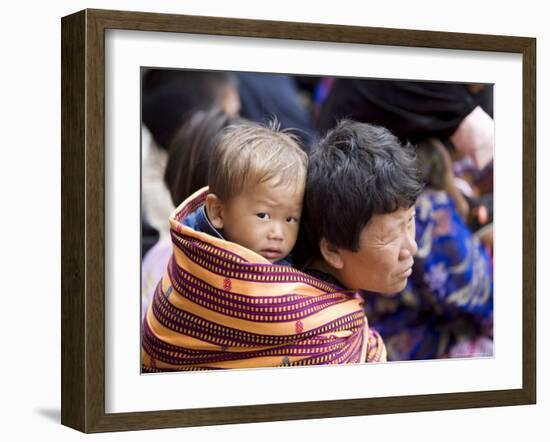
(83, 220)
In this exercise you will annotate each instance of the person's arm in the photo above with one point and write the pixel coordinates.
(485, 235)
(475, 137)
(449, 184)
(458, 198)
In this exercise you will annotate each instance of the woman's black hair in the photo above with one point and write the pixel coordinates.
(356, 171)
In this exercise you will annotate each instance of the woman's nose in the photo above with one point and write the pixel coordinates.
(409, 248)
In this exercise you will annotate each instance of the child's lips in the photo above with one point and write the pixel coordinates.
(271, 253)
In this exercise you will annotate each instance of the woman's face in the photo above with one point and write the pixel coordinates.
(385, 256)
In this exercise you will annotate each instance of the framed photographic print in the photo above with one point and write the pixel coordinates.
(137, 354)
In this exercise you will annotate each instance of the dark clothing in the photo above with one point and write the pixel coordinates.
(264, 96)
(412, 110)
(198, 220)
(149, 236)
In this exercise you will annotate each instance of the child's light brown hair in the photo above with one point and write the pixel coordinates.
(249, 153)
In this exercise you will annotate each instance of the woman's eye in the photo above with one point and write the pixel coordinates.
(263, 215)
(292, 220)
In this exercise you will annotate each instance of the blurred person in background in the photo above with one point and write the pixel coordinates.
(265, 96)
(186, 171)
(458, 114)
(169, 98)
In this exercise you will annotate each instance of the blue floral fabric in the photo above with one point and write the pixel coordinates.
(449, 297)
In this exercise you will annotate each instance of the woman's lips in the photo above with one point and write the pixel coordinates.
(405, 274)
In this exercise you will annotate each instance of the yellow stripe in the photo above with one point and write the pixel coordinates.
(249, 288)
(263, 286)
(266, 328)
(265, 361)
(182, 340)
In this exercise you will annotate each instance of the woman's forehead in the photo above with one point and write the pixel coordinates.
(389, 221)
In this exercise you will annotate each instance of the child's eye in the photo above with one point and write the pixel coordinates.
(263, 215)
(292, 220)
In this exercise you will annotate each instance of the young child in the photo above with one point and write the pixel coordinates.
(221, 304)
(256, 184)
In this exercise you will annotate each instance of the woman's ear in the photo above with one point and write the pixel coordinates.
(331, 254)
(214, 210)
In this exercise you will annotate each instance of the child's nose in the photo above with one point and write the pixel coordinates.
(276, 232)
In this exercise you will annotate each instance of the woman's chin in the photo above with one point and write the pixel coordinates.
(394, 289)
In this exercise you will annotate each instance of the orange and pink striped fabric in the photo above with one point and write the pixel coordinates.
(220, 305)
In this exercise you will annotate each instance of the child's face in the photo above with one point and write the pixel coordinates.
(265, 218)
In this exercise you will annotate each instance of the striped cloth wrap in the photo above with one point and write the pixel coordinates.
(220, 305)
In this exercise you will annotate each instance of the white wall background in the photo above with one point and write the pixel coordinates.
(30, 201)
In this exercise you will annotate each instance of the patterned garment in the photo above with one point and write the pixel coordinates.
(446, 310)
(220, 305)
